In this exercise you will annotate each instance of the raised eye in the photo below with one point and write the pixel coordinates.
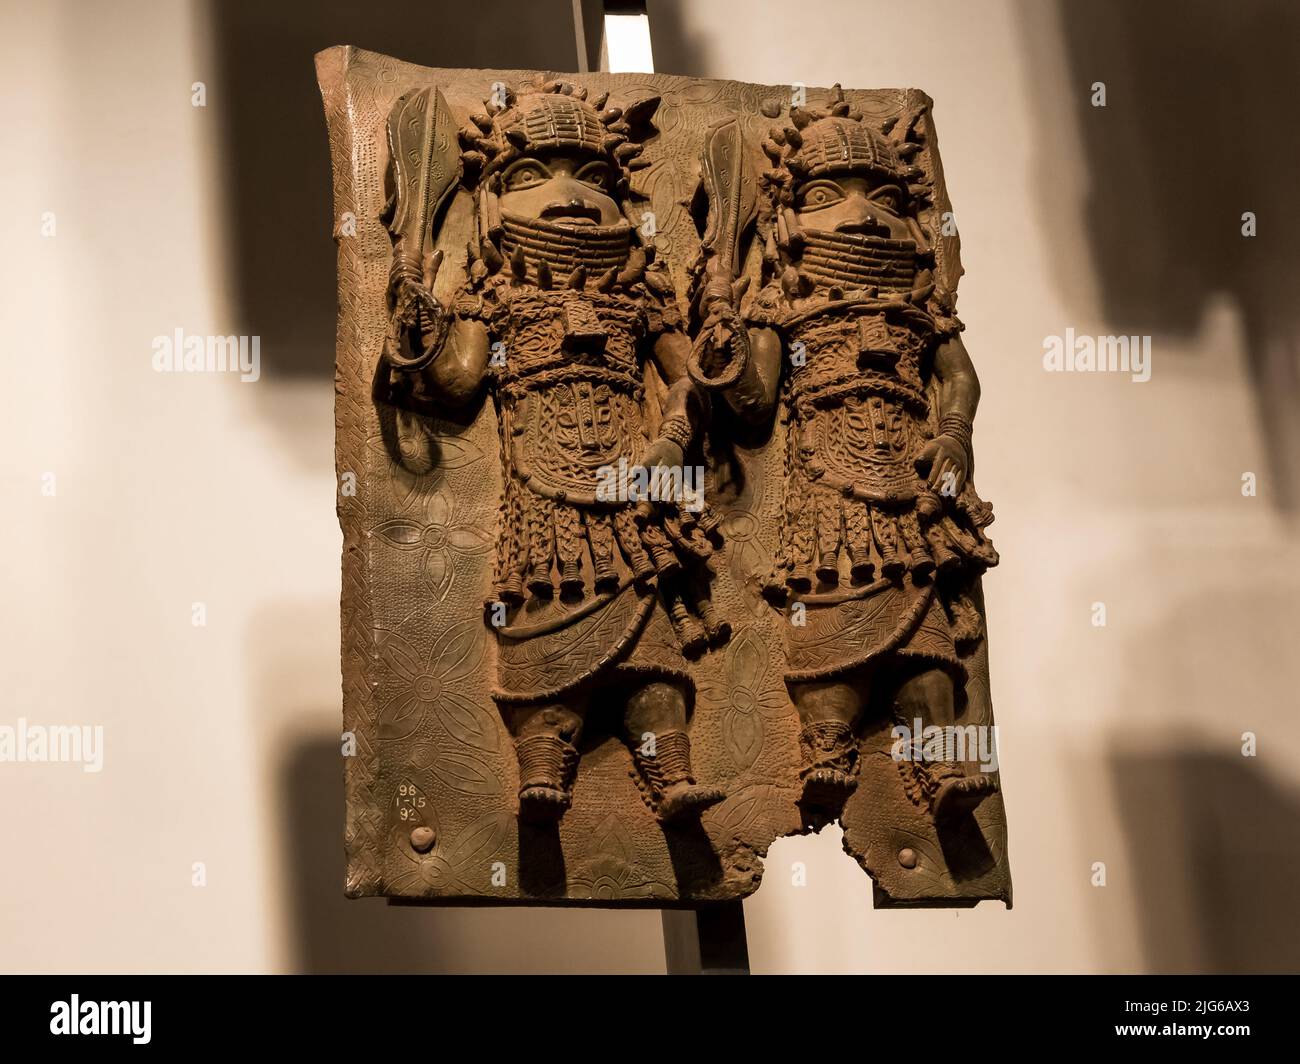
(596, 175)
(819, 194)
(524, 174)
(889, 197)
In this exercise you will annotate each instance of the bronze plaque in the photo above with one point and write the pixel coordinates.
(654, 451)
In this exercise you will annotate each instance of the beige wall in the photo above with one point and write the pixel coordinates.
(1119, 744)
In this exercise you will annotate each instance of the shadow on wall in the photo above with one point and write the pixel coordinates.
(275, 152)
(1197, 130)
(1214, 853)
(296, 723)
(1212, 837)
(333, 935)
(675, 51)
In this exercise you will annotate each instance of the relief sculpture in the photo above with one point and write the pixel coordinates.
(598, 596)
(672, 368)
(880, 531)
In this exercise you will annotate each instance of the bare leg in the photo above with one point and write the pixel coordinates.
(546, 739)
(828, 713)
(655, 718)
(951, 784)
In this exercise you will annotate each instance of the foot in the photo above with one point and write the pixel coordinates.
(825, 790)
(830, 773)
(682, 801)
(959, 795)
(666, 781)
(547, 763)
(540, 804)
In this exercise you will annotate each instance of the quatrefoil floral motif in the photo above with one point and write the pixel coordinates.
(421, 684)
(444, 539)
(746, 696)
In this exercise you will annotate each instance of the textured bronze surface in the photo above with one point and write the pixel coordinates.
(562, 695)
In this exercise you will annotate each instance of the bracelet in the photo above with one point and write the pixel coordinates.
(958, 427)
(468, 307)
(676, 429)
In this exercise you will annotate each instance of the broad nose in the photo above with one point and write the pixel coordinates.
(570, 192)
(858, 214)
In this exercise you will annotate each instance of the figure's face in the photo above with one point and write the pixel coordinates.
(567, 189)
(852, 203)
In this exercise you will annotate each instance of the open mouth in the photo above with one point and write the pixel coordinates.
(573, 213)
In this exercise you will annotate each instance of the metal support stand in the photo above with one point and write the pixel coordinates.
(709, 940)
(613, 36)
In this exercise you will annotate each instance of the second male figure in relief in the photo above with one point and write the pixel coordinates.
(882, 534)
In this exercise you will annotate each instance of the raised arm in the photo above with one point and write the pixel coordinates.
(436, 354)
(455, 375)
(753, 396)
